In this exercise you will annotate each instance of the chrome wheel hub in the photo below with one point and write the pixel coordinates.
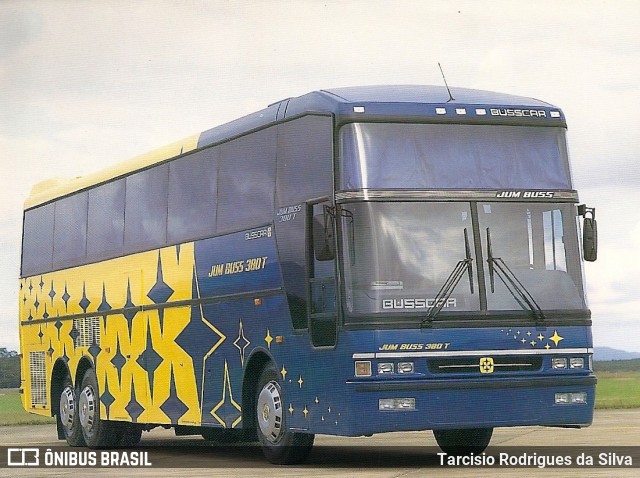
(67, 407)
(270, 412)
(87, 408)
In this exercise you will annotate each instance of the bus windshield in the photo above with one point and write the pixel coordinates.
(398, 256)
(452, 156)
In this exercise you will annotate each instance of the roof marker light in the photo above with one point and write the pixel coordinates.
(555, 114)
(358, 109)
(441, 111)
(481, 111)
(461, 111)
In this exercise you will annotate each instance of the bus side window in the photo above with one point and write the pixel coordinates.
(246, 181)
(146, 209)
(70, 231)
(37, 247)
(105, 233)
(192, 196)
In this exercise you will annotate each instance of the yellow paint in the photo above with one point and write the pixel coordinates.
(137, 272)
(53, 188)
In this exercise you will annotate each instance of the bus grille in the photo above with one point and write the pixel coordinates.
(38, 371)
(471, 365)
(87, 331)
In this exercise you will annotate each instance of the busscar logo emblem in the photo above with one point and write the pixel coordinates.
(486, 365)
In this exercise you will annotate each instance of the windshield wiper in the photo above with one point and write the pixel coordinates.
(451, 283)
(519, 292)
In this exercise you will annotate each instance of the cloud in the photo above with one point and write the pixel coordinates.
(83, 85)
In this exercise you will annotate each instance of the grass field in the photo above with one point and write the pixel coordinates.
(614, 390)
(618, 389)
(12, 413)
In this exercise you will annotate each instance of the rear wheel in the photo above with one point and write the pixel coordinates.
(97, 433)
(68, 419)
(279, 445)
(463, 441)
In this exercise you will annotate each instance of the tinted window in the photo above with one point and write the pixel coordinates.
(106, 221)
(37, 246)
(192, 196)
(146, 209)
(305, 159)
(70, 231)
(305, 171)
(247, 180)
(432, 156)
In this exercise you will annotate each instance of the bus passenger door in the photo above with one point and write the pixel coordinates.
(322, 275)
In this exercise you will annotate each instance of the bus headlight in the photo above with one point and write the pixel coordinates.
(397, 404)
(406, 367)
(558, 363)
(571, 398)
(576, 362)
(385, 367)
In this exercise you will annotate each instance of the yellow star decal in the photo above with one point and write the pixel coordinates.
(556, 338)
(300, 381)
(283, 372)
(268, 339)
(540, 337)
(305, 411)
(291, 409)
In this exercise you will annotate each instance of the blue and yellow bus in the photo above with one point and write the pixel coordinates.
(348, 262)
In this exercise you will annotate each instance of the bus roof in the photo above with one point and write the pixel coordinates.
(358, 103)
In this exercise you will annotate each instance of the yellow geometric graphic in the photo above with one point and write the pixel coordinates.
(49, 302)
(226, 386)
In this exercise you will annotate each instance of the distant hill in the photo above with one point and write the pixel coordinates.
(604, 354)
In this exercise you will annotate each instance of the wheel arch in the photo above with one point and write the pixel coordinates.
(59, 372)
(83, 365)
(256, 362)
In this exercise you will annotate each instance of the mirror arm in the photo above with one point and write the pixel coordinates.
(583, 210)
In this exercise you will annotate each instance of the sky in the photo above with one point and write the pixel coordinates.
(87, 84)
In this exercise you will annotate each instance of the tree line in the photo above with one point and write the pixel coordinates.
(9, 368)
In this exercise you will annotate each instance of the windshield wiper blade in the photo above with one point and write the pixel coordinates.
(451, 283)
(519, 292)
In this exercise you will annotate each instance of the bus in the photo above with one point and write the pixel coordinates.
(348, 262)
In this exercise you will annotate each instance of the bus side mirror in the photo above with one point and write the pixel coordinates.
(589, 233)
(323, 237)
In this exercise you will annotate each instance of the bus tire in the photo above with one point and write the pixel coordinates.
(279, 445)
(463, 441)
(68, 419)
(97, 433)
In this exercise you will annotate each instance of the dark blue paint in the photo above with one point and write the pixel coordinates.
(408, 101)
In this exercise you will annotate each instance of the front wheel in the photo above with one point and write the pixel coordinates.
(279, 445)
(463, 441)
